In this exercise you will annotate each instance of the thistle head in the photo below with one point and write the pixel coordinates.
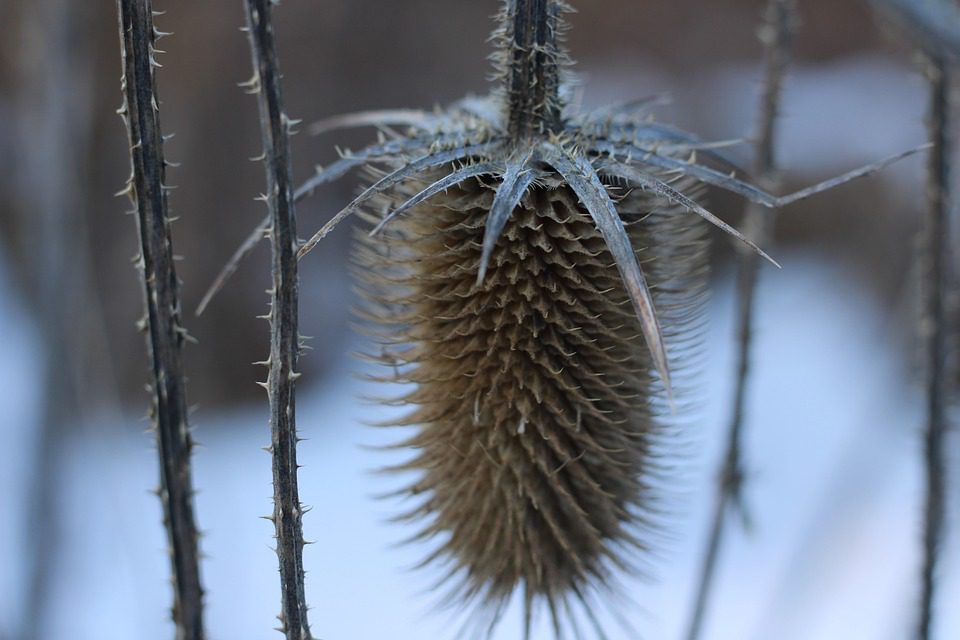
(504, 261)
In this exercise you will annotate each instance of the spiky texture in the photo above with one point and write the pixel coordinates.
(166, 334)
(284, 304)
(536, 274)
(538, 411)
(529, 65)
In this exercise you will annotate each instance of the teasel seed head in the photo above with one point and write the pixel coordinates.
(540, 421)
(535, 275)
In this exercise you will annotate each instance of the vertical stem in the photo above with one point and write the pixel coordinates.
(934, 334)
(284, 339)
(53, 125)
(166, 334)
(533, 68)
(776, 35)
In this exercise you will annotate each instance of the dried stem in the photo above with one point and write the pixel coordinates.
(533, 68)
(53, 125)
(776, 35)
(166, 334)
(284, 339)
(937, 236)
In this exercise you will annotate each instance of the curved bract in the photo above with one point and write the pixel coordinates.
(472, 139)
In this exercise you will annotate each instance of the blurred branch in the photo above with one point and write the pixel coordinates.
(53, 125)
(934, 330)
(284, 338)
(161, 288)
(934, 27)
(776, 34)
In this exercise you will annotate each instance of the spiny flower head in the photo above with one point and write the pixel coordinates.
(521, 136)
(534, 273)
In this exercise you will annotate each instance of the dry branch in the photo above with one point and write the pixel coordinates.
(936, 252)
(284, 339)
(776, 35)
(162, 322)
(934, 27)
(53, 127)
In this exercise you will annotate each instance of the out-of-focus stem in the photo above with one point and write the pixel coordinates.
(936, 251)
(53, 125)
(162, 322)
(284, 338)
(776, 35)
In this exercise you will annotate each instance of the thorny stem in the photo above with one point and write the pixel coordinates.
(934, 334)
(166, 334)
(533, 71)
(284, 339)
(776, 35)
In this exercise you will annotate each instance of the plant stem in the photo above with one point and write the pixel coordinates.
(284, 338)
(533, 71)
(934, 330)
(166, 334)
(54, 124)
(776, 35)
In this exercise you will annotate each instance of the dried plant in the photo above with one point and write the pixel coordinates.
(148, 192)
(934, 27)
(776, 33)
(284, 338)
(537, 276)
(936, 270)
(53, 122)
(488, 277)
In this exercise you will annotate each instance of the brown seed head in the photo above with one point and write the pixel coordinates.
(539, 424)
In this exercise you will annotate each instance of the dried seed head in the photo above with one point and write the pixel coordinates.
(538, 307)
(534, 392)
